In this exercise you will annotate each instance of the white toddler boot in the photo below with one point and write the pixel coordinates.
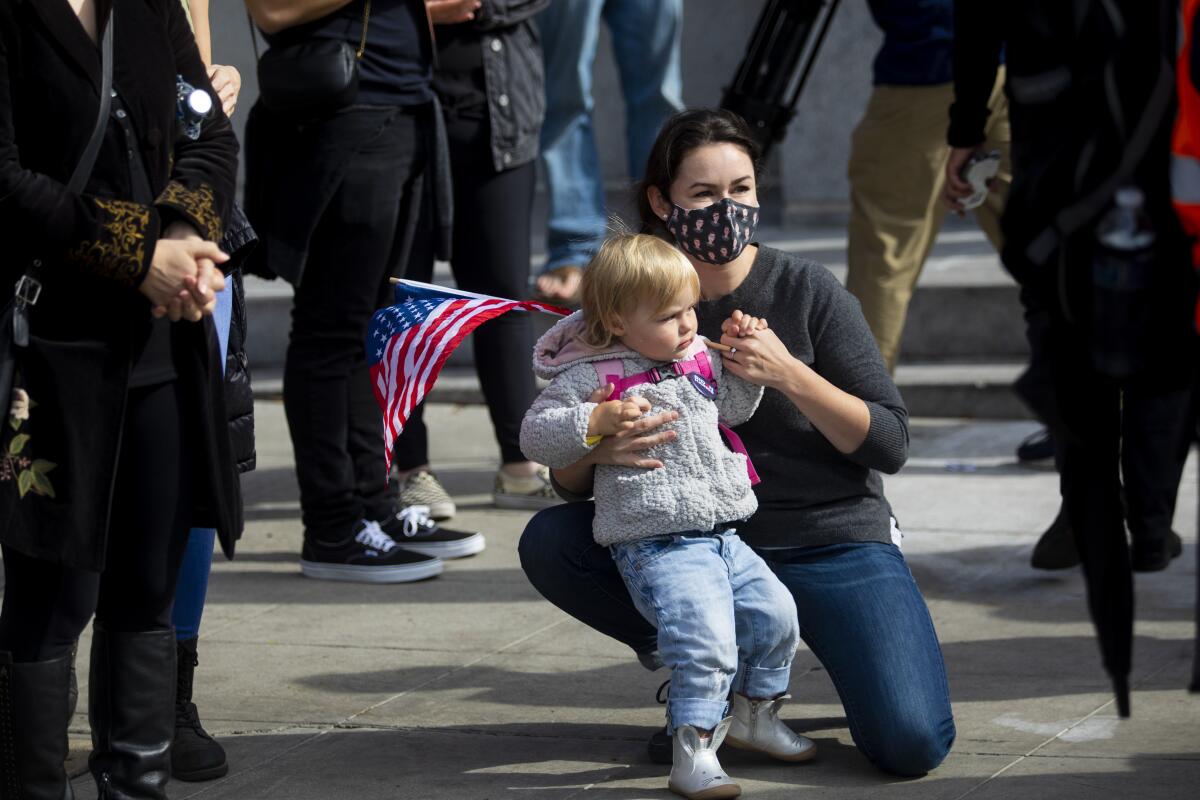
(756, 726)
(695, 771)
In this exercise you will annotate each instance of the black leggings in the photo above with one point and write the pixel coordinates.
(492, 214)
(47, 605)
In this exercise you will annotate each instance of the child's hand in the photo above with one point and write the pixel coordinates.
(614, 416)
(742, 325)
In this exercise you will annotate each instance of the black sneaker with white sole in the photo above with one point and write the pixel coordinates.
(413, 529)
(369, 556)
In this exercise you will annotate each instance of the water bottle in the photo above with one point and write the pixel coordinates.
(1120, 285)
(192, 107)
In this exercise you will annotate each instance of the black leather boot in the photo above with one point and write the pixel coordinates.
(131, 705)
(33, 729)
(195, 756)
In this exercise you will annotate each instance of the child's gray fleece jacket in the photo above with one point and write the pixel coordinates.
(702, 483)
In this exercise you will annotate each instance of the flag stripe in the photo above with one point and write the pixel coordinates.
(410, 342)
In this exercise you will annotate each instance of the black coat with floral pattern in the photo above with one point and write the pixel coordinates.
(59, 446)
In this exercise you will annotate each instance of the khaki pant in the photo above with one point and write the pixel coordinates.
(897, 170)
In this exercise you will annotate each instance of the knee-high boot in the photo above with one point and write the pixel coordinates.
(34, 715)
(131, 705)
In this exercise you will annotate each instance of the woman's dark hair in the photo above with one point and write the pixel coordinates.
(680, 135)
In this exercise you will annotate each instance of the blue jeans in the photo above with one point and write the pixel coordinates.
(646, 46)
(711, 598)
(192, 587)
(859, 609)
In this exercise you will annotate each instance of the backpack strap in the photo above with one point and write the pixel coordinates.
(738, 446)
(612, 371)
(704, 366)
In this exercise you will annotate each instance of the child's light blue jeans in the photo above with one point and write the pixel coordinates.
(724, 620)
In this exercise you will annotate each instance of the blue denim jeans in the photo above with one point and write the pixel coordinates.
(192, 587)
(711, 599)
(859, 609)
(646, 46)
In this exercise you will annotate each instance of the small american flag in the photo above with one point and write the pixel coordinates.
(408, 344)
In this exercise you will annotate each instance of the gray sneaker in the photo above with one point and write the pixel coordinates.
(526, 494)
(422, 488)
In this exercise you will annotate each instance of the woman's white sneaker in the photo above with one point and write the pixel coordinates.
(695, 771)
(756, 726)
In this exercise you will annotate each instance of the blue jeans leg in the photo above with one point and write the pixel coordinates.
(564, 563)
(570, 30)
(863, 616)
(681, 584)
(646, 36)
(192, 587)
(765, 614)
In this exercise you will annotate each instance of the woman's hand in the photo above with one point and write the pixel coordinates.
(622, 449)
(760, 358)
(449, 12)
(183, 278)
(227, 83)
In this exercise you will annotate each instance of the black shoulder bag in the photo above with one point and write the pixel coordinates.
(311, 77)
(14, 320)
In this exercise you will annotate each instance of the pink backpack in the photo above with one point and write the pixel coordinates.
(695, 361)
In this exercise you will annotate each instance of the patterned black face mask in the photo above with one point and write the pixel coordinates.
(718, 233)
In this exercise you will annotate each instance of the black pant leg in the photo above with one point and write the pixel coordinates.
(493, 213)
(46, 607)
(153, 503)
(411, 448)
(330, 406)
(1156, 434)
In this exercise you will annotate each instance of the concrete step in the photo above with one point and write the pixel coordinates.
(965, 307)
(962, 390)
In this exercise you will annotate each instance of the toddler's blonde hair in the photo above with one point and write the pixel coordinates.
(630, 269)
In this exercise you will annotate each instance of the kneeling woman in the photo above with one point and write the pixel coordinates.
(831, 419)
(120, 378)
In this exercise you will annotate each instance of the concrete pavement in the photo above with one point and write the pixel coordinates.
(472, 687)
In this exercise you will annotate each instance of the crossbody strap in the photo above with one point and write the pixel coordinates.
(29, 288)
(83, 170)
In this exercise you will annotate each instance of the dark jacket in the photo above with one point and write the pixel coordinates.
(95, 248)
(1091, 105)
(239, 395)
(514, 73)
(239, 242)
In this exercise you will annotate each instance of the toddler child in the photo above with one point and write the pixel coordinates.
(724, 621)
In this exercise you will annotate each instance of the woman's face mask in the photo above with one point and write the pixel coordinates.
(716, 234)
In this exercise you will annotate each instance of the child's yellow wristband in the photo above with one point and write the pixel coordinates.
(592, 441)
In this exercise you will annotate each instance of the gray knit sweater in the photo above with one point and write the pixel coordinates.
(702, 482)
(811, 494)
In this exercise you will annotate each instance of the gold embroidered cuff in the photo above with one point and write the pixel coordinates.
(119, 252)
(197, 206)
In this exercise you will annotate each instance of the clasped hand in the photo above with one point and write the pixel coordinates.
(183, 279)
(757, 355)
